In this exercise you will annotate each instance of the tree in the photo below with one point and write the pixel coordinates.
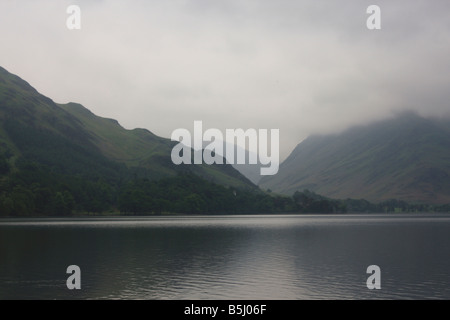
(63, 203)
(6, 205)
(193, 204)
(22, 201)
(4, 165)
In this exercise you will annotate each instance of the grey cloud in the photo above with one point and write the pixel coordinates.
(300, 66)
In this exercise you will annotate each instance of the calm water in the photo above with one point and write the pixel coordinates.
(227, 257)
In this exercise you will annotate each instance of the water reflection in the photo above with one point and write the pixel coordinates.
(243, 257)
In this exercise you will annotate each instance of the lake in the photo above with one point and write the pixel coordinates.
(276, 257)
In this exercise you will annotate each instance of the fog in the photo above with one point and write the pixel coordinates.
(302, 67)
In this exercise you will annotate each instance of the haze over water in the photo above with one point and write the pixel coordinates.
(227, 257)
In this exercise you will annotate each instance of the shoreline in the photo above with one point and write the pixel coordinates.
(178, 215)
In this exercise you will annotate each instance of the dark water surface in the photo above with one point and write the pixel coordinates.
(227, 257)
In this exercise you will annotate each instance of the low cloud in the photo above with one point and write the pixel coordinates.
(299, 66)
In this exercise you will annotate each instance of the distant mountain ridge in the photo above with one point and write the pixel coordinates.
(406, 158)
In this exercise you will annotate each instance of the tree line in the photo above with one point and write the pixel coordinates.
(32, 189)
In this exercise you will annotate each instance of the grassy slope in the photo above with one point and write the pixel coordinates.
(135, 148)
(141, 148)
(21, 104)
(406, 158)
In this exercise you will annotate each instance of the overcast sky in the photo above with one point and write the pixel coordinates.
(301, 66)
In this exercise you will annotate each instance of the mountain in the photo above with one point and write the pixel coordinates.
(250, 171)
(60, 159)
(69, 138)
(405, 158)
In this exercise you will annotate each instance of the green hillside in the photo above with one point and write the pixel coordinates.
(406, 158)
(70, 138)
